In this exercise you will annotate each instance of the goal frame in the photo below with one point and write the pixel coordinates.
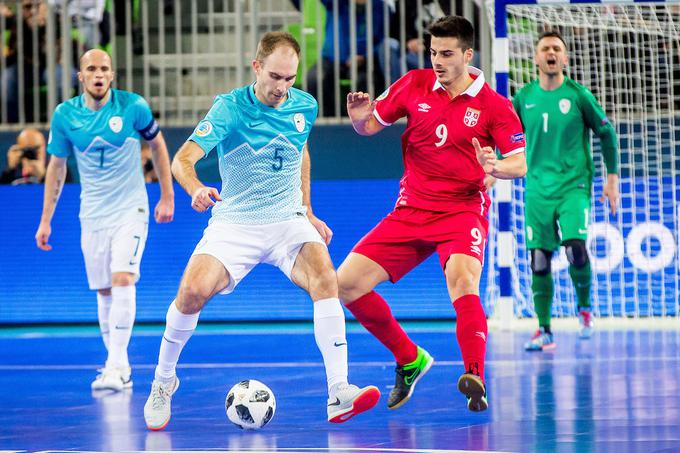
(504, 305)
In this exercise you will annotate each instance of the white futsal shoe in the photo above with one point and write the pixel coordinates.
(351, 400)
(113, 378)
(157, 408)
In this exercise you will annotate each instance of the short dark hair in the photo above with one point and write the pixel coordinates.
(551, 34)
(454, 27)
(270, 41)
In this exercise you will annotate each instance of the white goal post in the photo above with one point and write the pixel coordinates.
(628, 55)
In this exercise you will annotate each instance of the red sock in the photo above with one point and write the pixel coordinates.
(375, 315)
(471, 331)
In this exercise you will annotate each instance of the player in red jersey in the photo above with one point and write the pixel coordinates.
(454, 121)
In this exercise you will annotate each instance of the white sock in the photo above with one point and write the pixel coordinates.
(121, 320)
(178, 329)
(103, 310)
(329, 332)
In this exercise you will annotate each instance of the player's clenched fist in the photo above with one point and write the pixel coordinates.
(204, 197)
(42, 236)
(486, 157)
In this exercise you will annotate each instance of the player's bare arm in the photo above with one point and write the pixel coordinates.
(54, 183)
(165, 208)
(511, 167)
(323, 229)
(610, 191)
(360, 111)
(183, 169)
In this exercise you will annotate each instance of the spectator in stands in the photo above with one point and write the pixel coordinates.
(25, 159)
(33, 27)
(147, 164)
(328, 55)
(87, 17)
(415, 23)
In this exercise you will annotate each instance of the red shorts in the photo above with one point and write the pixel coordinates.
(407, 236)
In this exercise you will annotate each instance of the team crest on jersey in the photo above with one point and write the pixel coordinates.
(116, 124)
(204, 128)
(565, 105)
(471, 117)
(299, 120)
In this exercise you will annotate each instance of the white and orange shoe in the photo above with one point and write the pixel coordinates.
(157, 409)
(350, 400)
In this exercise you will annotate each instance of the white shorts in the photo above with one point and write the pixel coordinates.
(115, 249)
(242, 247)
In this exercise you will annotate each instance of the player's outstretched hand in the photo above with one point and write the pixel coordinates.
(165, 210)
(204, 198)
(359, 106)
(323, 229)
(485, 156)
(610, 191)
(42, 236)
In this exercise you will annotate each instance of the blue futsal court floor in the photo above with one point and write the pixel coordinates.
(618, 392)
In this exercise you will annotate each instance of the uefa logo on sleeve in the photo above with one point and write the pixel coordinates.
(204, 128)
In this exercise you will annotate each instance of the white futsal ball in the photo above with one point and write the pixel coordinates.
(250, 404)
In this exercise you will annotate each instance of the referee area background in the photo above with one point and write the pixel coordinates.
(618, 391)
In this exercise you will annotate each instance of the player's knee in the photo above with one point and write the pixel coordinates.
(123, 279)
(192, 296)
(350, 289)
(347, 287)
(577, 254)
(325, 283)
(540, 261)
(461, 283)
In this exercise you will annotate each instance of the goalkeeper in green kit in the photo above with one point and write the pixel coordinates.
(557, 113)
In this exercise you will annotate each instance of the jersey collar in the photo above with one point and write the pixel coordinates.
(255, 101)
(474, 88)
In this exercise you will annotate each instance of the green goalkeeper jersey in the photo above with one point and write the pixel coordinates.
(556, 125)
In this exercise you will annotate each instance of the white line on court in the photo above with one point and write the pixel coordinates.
(443, 363)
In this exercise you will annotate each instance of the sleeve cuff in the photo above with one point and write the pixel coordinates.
(380, 120)
(513, 152)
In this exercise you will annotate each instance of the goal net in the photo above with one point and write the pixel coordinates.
(628, 55)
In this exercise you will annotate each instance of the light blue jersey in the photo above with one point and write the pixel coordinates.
(106, 144)
(260, 154)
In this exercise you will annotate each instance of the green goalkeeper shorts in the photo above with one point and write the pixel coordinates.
(549, 222)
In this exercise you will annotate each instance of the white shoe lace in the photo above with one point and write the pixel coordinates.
(159, 396)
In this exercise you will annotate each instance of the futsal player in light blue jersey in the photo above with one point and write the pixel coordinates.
(262, 215)
(103, 128)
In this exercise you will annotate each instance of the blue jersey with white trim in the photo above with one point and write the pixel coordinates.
(260, 154)
(106, 145)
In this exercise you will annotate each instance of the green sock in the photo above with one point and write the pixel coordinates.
(582, 278)
(543, 290)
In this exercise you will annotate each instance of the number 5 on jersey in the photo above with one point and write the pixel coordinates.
(278, 158)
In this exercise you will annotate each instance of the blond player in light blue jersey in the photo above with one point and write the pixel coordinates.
(262, 215)
(103, 128)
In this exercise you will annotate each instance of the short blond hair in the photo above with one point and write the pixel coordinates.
(270, 41)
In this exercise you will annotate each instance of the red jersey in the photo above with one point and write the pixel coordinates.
(441, 170)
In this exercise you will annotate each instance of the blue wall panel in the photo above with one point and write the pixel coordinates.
(38, 287)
